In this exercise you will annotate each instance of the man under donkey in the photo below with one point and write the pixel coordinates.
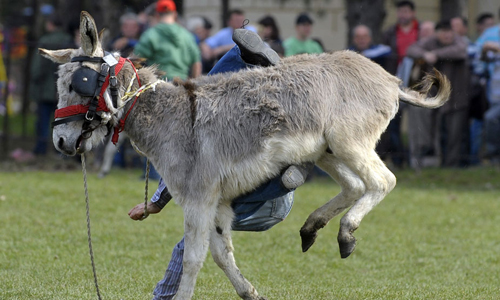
(259, 210)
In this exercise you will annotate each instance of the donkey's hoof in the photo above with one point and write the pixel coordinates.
(308, 239)
(253, 297)
(346, 246)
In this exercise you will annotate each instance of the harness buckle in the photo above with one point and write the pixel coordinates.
(104, 68)
(113, 81)
(91, 117)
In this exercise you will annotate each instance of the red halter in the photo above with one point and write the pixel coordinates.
(88, 112)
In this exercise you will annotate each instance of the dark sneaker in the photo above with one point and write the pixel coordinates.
(253, 50)
(296, 175)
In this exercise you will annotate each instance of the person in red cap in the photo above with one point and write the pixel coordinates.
(165, 6)
(169, 45)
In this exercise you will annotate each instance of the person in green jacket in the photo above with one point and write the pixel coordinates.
(302, 43)
(43, 81)
(170, 46)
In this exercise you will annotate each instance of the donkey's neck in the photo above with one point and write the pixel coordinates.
(159, 118)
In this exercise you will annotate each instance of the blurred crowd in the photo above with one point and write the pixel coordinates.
(464, 132)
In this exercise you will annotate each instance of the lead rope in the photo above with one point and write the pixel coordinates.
(146, 212)
(84, 170)
(144, 216)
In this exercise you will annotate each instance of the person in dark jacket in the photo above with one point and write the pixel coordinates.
(43, 81)
(362, 43)
(447, 52)
(130, 30)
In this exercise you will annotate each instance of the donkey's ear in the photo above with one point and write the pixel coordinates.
(88, 33)
(58, 56)
(101, 34)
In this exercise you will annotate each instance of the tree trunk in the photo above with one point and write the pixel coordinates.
(450, 9)
(224, 12)
(367, 12)
(32, 38)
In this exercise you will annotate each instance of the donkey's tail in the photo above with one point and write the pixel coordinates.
(419, 97)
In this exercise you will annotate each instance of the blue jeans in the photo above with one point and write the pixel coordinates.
(476, 132)
(492, 130)
(230, 62)
(259, 210)
(44, 113)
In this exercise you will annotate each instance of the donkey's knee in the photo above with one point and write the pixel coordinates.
(355, 189)
(391, 181)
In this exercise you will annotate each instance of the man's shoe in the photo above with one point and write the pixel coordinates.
(253, 50)
(296, 175)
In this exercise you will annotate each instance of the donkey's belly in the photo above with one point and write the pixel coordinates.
(277, 154)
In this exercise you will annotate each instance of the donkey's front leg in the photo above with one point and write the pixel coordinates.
(198, 221)
(222, 249)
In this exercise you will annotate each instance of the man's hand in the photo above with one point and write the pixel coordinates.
(137, 212)
(430, 58)
(491, 46)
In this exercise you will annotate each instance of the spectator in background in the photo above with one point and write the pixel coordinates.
(217, 45)
(489, 52)
(483, 22)
(130, 30)
(270, 33)
(478, 103)
(399, 37)
(3, 77)
(421, 121)
(478, 92)
(447, 52)
(426, 29)
(147, 18)
(169, 45)
(460, 27)
(301, 42)
(43, 79)
(363, 44)
(201, 28)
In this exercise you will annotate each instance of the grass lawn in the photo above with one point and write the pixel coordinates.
(436, 236)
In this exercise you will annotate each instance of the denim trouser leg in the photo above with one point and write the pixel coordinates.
(44, 113)
(491, 130)
(230, 62)
(168, 286)
(476, 131)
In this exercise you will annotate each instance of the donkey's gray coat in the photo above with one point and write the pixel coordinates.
(223, 135)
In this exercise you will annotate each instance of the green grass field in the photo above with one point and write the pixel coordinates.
(436, 236)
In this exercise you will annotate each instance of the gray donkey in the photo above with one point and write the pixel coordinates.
(217, 137)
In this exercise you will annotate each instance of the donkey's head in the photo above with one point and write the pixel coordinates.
(88, 90)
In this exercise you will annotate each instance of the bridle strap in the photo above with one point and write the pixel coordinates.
(68, 119)
(94, 102)
(121, 124)
(86, 58)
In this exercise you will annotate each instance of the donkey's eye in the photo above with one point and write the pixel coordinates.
(70, 88)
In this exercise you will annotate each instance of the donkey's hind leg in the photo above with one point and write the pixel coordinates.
(378, 180)
(222, 249)
(352, 189)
